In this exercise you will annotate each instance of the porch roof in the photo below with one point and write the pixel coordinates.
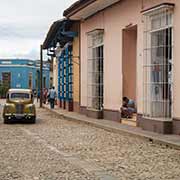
(83, 9)
(59, 32)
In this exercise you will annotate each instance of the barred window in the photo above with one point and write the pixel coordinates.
(95, 70)
(158, 62)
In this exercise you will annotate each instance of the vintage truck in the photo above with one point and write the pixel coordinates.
(19, 106)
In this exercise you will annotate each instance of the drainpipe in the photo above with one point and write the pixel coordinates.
(142, 5)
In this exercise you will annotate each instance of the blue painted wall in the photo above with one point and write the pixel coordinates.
(20, 70)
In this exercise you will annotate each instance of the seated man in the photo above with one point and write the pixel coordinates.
(128, 108)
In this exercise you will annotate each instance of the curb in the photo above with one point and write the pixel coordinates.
(108, 128)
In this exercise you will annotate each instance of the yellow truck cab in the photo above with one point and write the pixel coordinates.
(19, 106)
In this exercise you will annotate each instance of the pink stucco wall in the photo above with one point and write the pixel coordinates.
(113, 20)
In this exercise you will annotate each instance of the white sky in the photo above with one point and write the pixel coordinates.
(25, 23)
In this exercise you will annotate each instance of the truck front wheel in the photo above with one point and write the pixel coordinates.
(7, 120)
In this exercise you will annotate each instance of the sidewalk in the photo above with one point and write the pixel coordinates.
(166, 140)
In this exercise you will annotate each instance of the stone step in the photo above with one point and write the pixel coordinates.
(130, 122)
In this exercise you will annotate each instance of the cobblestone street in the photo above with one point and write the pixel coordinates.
(57, 149)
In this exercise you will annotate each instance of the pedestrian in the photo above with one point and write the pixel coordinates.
(48, 96)
(45, 93)
(38, 95)
(52, 97)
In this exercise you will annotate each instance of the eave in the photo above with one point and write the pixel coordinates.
(83, 9)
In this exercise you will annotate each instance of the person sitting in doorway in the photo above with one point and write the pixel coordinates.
(128, 108)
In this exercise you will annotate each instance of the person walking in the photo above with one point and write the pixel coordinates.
(52, 97)
(38, 95)
(45, 94)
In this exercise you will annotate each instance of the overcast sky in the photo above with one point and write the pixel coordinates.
(25, 23)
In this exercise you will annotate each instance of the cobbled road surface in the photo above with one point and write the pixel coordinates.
(57, 149)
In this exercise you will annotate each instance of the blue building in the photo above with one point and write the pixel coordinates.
(23, 73)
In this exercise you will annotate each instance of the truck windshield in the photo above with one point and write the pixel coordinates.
(20, 96)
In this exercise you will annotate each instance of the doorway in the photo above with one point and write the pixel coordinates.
(129, 71)
(6, 79)
(44, 82)
(30, 81)
(5, 83)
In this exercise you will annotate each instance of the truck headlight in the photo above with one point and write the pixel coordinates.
(7, 109)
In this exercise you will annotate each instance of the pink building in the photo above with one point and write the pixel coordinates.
(130, 48)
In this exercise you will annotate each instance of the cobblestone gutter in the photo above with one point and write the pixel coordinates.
(172, 141)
